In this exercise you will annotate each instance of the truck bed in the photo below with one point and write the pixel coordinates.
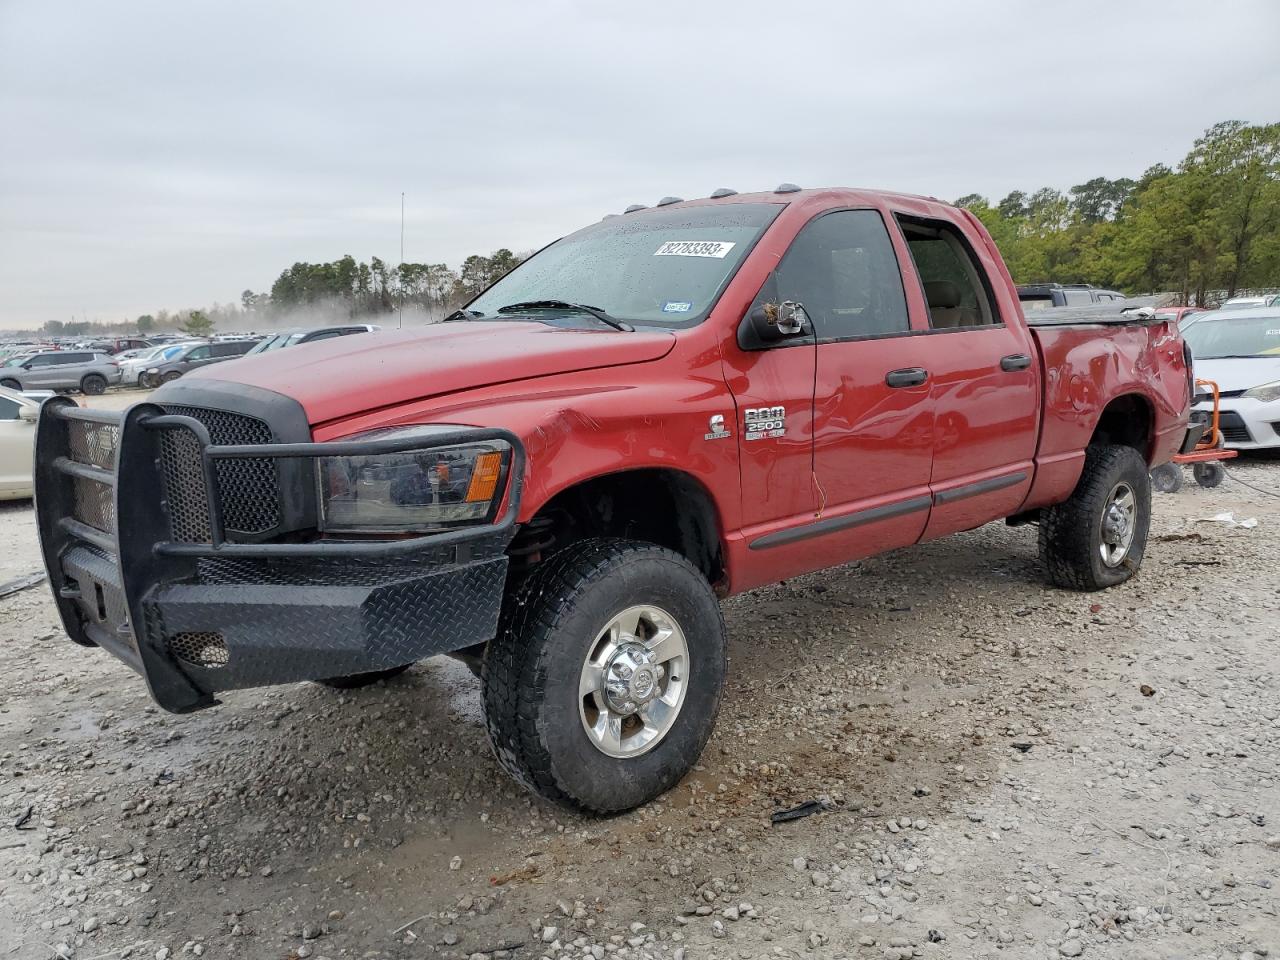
(1085, 365)
(1093, 314)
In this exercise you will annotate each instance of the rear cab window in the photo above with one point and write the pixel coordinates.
(956, 288)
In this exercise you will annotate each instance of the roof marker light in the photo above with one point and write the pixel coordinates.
(787, 188)
(667, 201)
(723, 192)
(634, 207)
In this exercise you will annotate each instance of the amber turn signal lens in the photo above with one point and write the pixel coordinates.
(484, 478)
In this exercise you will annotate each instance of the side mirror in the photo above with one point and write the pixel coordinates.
(26, 366)
(771, 322)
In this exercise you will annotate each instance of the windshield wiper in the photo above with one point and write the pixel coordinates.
(566, 305)
(462, 315)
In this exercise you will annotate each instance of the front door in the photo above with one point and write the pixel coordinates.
(873, 422)
(772, 387)
(864, 486)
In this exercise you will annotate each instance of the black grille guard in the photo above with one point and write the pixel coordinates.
(128, 564)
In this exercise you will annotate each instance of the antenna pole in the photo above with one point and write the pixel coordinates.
(401, 323)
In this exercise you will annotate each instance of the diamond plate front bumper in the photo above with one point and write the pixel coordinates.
(197, 618)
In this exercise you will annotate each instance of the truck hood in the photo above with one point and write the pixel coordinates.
(1239, 373)
(345, 376)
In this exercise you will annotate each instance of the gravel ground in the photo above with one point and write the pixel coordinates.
(1008, 771)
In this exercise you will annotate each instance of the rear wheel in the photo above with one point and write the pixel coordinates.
(602, 685)
(10, 384)
(1209, 474)
(1097, 537)
(93, 385)
(357, 680)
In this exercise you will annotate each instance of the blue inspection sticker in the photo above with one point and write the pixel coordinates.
(677, 306)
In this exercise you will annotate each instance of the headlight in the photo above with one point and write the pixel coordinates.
(1266, 393)
(415, 491)
(153, 369)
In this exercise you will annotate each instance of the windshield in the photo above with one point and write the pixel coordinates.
(18, 359)
(654, 266)
(266, 344)
(1213, 339)
(278, 341)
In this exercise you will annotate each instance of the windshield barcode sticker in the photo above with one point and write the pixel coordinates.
(695, 248)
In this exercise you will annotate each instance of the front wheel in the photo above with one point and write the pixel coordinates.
(603, 683)
(10, 384)
(1096, 538)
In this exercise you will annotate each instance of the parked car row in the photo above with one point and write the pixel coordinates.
(136, 362)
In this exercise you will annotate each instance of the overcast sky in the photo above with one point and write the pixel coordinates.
(170, 154)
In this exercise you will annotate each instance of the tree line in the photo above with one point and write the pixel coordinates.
(1208, 227)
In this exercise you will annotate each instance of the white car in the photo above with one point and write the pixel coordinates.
(17, 443)
(1267, 300)
(1240, 351)
(133, 367)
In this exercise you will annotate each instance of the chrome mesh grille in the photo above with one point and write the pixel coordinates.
(93, 443)
(248, 489)
(184, 487)
(94, 504)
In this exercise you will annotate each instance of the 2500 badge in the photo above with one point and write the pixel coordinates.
(763, 423)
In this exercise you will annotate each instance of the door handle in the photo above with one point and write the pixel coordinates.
(906, 377)
(1015, 361)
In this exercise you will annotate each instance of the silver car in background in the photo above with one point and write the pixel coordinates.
(132, 368)
(84, 370)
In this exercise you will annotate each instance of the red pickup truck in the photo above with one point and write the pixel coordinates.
(558, 485)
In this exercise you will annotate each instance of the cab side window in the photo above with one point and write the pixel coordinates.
(955, 287)
(9, 409)
(199, 353)
(842, 268)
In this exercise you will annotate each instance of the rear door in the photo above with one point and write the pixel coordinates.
(984, 380)
(60, 370)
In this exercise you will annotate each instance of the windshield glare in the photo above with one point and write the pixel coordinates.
(650, 267)
(1238, 337)
(267, 344)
